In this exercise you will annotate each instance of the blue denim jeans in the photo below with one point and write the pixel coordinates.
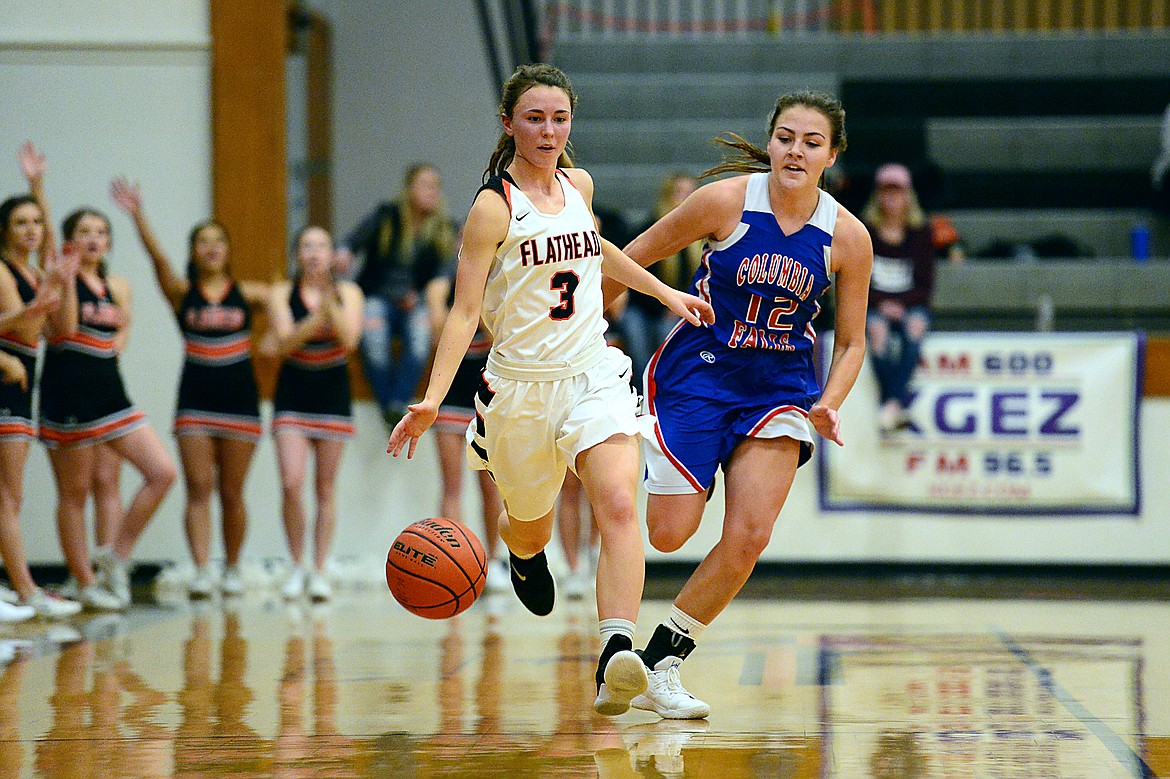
(394, 375)
(895, 361)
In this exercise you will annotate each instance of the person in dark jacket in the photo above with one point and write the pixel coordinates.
(402, 246)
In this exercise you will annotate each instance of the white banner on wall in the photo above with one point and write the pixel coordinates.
(1002, 423)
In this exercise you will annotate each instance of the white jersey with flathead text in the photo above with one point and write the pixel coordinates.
(542, 301)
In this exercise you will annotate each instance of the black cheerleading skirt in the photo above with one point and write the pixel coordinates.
(16, 415)
(220, 401)
(313, 402)
(83, 400)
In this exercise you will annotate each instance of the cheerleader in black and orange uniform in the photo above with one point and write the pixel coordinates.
(316, 324)
(217, 420)
(30, 301)
(83, 402)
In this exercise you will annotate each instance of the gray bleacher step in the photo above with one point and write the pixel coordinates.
(1103, 230)
(694, 95)
(1014, 143)
(674, 142)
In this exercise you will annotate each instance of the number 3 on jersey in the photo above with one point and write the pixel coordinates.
(565, 282)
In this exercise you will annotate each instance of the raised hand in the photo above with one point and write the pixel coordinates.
(46, 299)
(419, 418)
(127, 196)
(32, 162)
(62, 266)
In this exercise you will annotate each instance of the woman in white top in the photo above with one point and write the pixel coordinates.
(553, 394)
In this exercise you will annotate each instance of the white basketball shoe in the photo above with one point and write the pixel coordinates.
(666, 695)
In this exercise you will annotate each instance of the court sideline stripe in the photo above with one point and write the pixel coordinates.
(1122, 751)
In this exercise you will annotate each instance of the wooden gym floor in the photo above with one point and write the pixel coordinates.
(917, 686)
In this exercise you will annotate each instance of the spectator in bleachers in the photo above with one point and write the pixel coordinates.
(1160, 170)
(644, 322)
(403, 246)
(901, 287)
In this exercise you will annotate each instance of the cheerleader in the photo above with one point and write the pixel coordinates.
(217, 420)
(316, 323)
(83, 402)
(28, 297)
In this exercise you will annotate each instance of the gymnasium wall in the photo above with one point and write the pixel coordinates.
(120, 89)
(411, 84)
(124, 89)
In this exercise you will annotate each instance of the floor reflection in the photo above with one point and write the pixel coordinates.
(252, 687)
(948, 705)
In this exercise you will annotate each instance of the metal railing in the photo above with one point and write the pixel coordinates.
(682, 18)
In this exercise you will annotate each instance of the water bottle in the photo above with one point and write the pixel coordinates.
(1045, 313)
(1139, 242)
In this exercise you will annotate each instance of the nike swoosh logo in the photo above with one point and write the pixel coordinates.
(680, 628)
(526, 213)
(518, 575)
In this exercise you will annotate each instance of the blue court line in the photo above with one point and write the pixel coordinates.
(1114, 743)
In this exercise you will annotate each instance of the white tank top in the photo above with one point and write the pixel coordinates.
(543, 300)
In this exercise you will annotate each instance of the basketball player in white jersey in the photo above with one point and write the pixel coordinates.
(553, 394)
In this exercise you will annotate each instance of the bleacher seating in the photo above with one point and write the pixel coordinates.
(1016, 136)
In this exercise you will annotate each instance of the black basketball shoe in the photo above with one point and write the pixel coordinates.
(533, 583)
(621, 677)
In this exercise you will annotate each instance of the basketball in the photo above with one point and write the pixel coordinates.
(436, 568)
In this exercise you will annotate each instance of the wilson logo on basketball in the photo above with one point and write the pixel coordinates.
(415, 554)
(444, 532)
(436, 568)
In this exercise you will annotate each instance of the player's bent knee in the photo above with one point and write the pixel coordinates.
(666, 537)
(750, 543)
(164, 477)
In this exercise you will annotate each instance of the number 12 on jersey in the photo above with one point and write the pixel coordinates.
(784, 307)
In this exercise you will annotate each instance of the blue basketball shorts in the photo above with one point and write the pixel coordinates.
(706, 398)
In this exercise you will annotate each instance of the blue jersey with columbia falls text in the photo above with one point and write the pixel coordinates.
(752, 373)
(763, 284)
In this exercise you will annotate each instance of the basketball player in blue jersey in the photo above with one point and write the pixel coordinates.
(740, 395)
(554, 395)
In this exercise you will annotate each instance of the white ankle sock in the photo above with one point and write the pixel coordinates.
(690, 627)
(615, 627)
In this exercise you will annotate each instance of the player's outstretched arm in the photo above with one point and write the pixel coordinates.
(619, 267)
(711, 211)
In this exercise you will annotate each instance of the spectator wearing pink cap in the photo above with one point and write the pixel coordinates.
(900, 288)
